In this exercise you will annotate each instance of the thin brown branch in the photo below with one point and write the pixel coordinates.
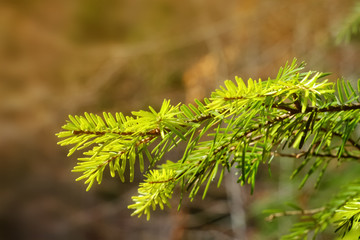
(164, 181)
(153, 132)
(324, 155)
(287, 108)
(339, 108)
(294, 213)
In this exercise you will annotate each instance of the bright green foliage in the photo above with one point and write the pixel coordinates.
(349, 216)
(156, 190)
(242, 126)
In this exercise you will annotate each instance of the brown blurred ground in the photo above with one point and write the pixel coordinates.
(65, 57)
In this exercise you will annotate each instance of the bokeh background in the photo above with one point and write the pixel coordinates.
(63, 57)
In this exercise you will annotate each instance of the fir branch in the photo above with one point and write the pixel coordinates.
(241, 125)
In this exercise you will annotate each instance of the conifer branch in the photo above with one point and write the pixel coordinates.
(240, 125)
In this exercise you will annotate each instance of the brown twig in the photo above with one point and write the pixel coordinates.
(294, 213)
(301, 154)
(153, 132)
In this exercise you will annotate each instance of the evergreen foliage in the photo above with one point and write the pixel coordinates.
(239, 127)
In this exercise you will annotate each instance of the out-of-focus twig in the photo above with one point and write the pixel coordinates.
(294, 212)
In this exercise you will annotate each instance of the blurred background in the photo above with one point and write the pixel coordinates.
(63, 57)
